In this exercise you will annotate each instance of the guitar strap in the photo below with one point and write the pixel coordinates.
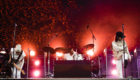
(18, 57)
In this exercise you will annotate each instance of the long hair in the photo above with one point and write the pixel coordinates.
(116, 39)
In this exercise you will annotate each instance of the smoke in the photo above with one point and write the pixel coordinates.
(105, 18)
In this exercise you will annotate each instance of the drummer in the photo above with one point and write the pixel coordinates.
(70, 56)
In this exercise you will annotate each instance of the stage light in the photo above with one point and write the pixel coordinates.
(113, 61)
(90, 52)
(135, 52)
(32, 53)
(36, 73)
(3, 52)
(37, 62)
(59, 54)
(114, 72)
(105, 51)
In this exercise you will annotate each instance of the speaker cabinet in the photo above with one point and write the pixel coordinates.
(138, 65)
(110, 67)
(36, 65)
(75, 69)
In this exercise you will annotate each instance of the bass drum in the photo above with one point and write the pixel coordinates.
(79, 57)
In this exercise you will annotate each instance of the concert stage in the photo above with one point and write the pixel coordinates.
(69, 79)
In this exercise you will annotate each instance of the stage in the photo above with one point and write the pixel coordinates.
(68, 79)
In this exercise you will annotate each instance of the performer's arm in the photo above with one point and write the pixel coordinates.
(64, 57)
(127, 51)
(9, 57)
(117, 48)
(129, 56)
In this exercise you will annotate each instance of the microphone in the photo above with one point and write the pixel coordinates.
(87, 26)
(122, 25)
(15, 24)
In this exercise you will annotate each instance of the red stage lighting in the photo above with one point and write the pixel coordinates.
(59, 54)
(113, 61)
(36, 73)
(114, 72)
(37, 62)
(32, 53)
(90, 52)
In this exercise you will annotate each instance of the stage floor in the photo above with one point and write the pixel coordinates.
(67, 79)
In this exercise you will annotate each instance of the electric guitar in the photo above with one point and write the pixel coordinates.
(22, 71)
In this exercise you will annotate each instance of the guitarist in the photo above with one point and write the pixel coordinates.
(18, 60)
(117, 48)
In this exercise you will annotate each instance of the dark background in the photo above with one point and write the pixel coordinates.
(39, 20)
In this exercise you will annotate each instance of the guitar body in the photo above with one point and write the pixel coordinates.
(117, 55)
(12, 64)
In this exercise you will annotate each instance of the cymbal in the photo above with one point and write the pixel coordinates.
(49, 49)
(63, 50)
(87, 47)
(59, 49)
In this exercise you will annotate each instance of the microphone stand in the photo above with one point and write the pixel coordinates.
(14, 41)
(124, 50)
(93, 43)
(48, 74)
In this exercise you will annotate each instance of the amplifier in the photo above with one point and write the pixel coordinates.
(75, 69)
(138, 66)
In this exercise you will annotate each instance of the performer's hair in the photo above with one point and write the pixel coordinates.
(70, 48)
(116, 39)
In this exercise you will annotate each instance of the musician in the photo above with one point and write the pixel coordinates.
(18, 60)
(117, 48)
(70, 56)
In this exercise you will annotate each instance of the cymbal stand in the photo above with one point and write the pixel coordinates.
(48, 73)
(99, 66)
(48, 55)
(92, 37)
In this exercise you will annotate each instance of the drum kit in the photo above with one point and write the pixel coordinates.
(63, 50)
